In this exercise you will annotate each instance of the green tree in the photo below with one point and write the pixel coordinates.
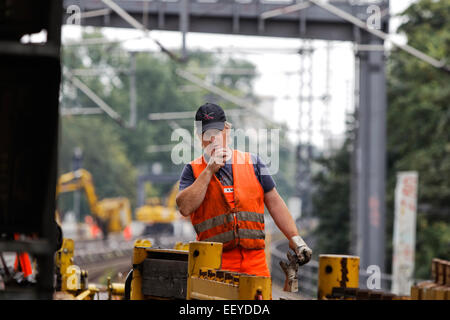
(331, 200)
(418, 128)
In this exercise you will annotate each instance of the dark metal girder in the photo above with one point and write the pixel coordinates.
(230, 17)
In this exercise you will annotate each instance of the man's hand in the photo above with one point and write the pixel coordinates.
(301, 249)
(217, 160)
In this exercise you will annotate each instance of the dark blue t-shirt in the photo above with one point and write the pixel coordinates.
(225, 175)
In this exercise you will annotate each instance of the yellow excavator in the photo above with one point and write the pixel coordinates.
(159, 218)
(112, 215)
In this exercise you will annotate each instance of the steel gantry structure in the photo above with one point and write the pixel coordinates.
(304, 19)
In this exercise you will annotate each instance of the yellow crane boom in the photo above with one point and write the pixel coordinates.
(113, 214)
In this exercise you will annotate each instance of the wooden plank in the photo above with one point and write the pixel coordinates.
(434, 267)
(439, 293)
(421, 287)
(415, 293)
(447, 273)
(441, 268)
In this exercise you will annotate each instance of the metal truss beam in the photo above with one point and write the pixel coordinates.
(234, 17)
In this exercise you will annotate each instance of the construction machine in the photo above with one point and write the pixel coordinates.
(191, 272)
(112, 215)
(159, 218)
(72, 282)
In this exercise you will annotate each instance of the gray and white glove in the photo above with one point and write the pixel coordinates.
(301, 249)
(290, 270)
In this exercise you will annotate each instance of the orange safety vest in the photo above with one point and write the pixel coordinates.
(216, 221)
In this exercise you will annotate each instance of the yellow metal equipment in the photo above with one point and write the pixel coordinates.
(112, 214)
(207, 282)
(115, 289)
(194, 274)
(157, 213)
(70, 278)
(73, 281)
(181, 246)
(337, 271)
(139, 255)
(63, 260)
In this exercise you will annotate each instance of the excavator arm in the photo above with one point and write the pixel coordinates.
(111, 215)
(81, 179)
(77, 180)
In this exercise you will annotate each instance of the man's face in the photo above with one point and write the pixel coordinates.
(213, 139)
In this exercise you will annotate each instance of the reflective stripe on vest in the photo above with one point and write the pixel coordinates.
(243, 234)
(228, 218)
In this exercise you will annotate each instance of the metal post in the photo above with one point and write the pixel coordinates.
(76, 164)
(377, 151)
(133, 109)
(304, 149)
(362, 159)
(371, 153)
(184, 25)
(325, 121)
(141, 191)
(145, 14)
(354, 157)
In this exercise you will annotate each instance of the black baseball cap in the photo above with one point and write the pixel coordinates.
(212, 116)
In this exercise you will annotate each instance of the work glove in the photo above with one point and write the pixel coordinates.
(301, 249)
(290, 270)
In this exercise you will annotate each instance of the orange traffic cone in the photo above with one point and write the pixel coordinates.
(95, 230)
(22, 261)
(127, 233)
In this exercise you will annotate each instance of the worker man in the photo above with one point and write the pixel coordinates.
(224, 192)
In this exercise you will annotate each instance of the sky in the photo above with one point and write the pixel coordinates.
(278, 70)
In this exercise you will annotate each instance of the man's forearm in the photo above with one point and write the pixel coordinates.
(280, 213)
(189, 199)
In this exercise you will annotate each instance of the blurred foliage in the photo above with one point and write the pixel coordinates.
(419, 129)
(104, 155)
(331, 203)
(418, 139)
(116, 155)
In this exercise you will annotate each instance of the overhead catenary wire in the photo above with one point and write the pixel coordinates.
(284, 10)
(99, 41)
(94, 97)
(225, 95)
(80, 111)
(185, 114)
(136, 24)
(440, 64)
